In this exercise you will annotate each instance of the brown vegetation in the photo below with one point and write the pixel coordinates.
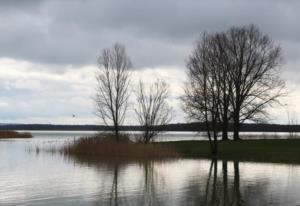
(105, 146)
(6, 134)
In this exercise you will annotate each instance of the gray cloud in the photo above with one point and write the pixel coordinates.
(59, 38)
(155, 32)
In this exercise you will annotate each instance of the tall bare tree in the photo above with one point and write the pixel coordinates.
(223, 64)
(255, 74)
(152, 109)
(203, 95)
(208, 68)
(112, 90)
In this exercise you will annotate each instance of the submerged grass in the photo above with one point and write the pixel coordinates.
(263, 150)
(7, 134)
(105, 146)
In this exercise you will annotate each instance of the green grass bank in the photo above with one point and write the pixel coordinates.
(271, 150)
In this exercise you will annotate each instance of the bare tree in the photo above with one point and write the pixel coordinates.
(233, 76)
(255, 74)
(223, 64)
(152, 109)
(202, 100)
(208, 67)
(112, 91)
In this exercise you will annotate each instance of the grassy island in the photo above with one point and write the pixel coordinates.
(8, 134)
(264, 150)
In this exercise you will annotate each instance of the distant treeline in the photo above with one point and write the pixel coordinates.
(187, 127)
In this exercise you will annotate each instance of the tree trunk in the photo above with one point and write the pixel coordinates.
(215, 152)
(117, 133)
(225, 113)
(236, 131)
(225, 130)
(236, 125)
(215, 139)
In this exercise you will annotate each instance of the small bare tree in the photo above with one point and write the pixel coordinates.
(112, 90)
(152, 110)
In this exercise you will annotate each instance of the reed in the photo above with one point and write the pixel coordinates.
(105, 146)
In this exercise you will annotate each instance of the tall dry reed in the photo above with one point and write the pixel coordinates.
(105, 146)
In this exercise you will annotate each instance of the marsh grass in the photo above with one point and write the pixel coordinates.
(261, 150)
(7, 134)
(105, 146)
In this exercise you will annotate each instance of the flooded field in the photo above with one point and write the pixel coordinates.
(30, 177)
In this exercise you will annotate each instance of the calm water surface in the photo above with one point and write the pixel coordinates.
(30, 177)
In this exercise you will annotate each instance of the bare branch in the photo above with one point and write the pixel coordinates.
(112, 90)
(152, 110)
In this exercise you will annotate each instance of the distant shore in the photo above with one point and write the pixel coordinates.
(178, 127)
(263, 150)
(9, 134)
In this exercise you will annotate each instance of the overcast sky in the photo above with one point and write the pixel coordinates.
(48, 49)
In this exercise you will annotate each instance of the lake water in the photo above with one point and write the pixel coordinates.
(31, 177)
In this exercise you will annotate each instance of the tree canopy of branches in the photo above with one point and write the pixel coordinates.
(233, 76)
(152, 110)
(112, 90)
(255, 74)
(202, 99)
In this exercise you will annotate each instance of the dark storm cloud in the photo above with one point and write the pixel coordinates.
(155, 32)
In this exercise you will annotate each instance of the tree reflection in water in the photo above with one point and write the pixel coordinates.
(225, 189)
(219, 185)
(149, 182)
(113, 201)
